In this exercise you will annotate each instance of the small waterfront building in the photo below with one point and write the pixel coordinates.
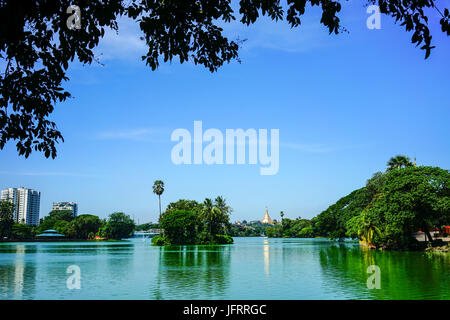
(49, 234)
(267, 218)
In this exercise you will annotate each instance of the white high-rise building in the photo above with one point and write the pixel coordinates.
(66, 206)
(26, 204)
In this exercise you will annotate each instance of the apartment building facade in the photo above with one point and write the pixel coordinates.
(26, 204)
(66, 206)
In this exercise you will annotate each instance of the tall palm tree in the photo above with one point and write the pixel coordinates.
(158, 189)
(224, 212)
(282, 215)
(209, 213)
(221, 204)
(398, 162)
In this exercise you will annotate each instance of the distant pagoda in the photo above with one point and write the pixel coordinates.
(267, 218)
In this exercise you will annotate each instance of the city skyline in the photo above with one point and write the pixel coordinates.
(6, 194)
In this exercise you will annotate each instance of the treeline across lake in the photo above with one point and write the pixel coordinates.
(386, 212)
(83, 227)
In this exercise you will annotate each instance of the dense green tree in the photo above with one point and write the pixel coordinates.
(306, 232)
(158, 189)
(332, 222)
(66, 215)
(47, 223)
(22, 231)
(298, 228)
(275, 231)
(186, 205)
(391, 207)
(253, 229)
(53, 218)
(119, 226)
(6, 219)
(375, 184)
(415, 198)
(62, 226)
(81, 226)
(180, 227)
(37, 46)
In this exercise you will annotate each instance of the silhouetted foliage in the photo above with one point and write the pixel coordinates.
(36, 46)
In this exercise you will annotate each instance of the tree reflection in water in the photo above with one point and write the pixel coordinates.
(404, 275)
(192, 272)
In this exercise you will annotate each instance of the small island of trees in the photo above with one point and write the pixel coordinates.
(190, 222)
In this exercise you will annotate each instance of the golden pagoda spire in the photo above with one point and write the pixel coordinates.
(415, 162)
(267, 218)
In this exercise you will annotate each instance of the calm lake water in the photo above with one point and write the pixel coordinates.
(251, 268)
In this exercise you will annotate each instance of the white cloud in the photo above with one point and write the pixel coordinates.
(126, 44)
(142, 134)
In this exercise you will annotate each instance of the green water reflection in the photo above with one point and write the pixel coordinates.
(252, 268)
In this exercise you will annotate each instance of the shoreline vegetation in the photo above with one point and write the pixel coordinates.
(85, 227)
(387, 213)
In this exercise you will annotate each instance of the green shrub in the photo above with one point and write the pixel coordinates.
(158, 241)
(22, 232)
(223, 239)
(180, 227)
(119, 226)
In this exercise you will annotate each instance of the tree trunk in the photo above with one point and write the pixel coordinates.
(159, 197)
(427, 232)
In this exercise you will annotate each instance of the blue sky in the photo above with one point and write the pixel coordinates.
(343, 104)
